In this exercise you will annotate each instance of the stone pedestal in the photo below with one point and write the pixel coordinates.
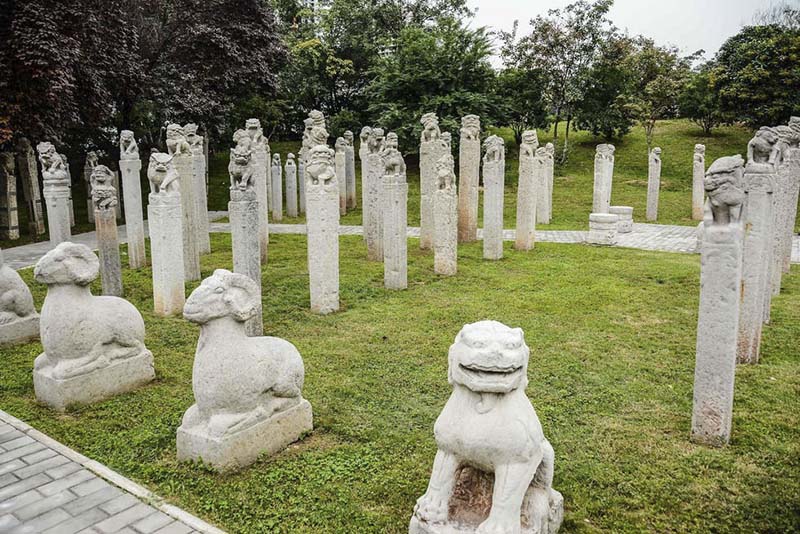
(429, 153)
(29, 176)
(469, 165)
(277, 192)
(350, 176)
(165, 223)
(323, 243)
(134, 223)
(341, 176)
(445, 250)
(373, 223)
(717, 326)
(395, 239)
(698, 173)
(625, 214)
(108, 248)
(201, 202)
(532, 183)
(602, 229)
(243, 212)
(191, 253)
(290, 170)
(653, 184)
(757, 213)
(9, 217)
(603, 178)
(57, 202)
(19, 331)
(260, 170)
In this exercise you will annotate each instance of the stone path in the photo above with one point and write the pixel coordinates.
(48, 488)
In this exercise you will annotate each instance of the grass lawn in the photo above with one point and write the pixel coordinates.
(612, 335)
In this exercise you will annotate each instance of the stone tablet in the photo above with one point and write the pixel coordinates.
(9, 217)
(19, 321)
(93, 346)
(493, 470)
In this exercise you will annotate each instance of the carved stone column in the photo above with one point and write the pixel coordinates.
(104, 199)
(130, 167)
(29, 176)
(322, 197)
(395, 219)
(653, 184)
(243, 211)
(363, 156)
(56, 193)
(196, 148)
(603, 176)
(698, 172)
(350, 170)
(429, 154)
(290, 170)
(373, 223)
(445, 208)
(277, 188)
(9, 217)
(544, 201)
(88, 167)
(340, 160)
(469, 168)
(532, 184)
(494, 170)
(262, 179)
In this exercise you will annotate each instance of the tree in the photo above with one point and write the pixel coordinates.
(521, 97)
(699, 100)
(757, 75)
(784, 14)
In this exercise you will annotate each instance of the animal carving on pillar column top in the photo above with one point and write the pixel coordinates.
(724, 185)
(164, 179)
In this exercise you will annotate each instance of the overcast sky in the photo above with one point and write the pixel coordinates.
(688, 24)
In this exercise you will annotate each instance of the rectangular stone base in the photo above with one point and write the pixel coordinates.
(117, 378)
(243, 448)
(20, 331)
(602, 229)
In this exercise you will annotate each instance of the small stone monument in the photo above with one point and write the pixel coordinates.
(243, 211)
(429, 153)
(550, 154)
(93, 346)
(19, 321)
(602, 229)
(104, 198)
(469, 168)
(290, 170)
(9, 217)
(130, 166)
(718, 318)
(196, 147)
(373, 223)
(350, 170)
(247, 390)
(395, 217)
(653, 184)
(165, 223)
(363, 155)
(494, 173)
(29, 176)
(277, 188)
(340, 165)
(445, 209)
(88, 166)
(258, 144)
(493, 470)
(322, 196)
(56, 192)
(698, 173)
(532, 176)
(790, 167)
(603, 177)
(625, 215)
(181, 154)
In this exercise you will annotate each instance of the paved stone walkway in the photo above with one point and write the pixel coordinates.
(48, 488)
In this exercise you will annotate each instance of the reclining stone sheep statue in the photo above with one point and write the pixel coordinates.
(247, 390)
(93, 346)
(19, 321)
(493, 471)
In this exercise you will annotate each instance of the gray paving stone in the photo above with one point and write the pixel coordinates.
(7, 506)
(119, 504)
(66, 482)
(23, 485)
(42, 522)
(44, 505)
(8, 478)
(79, 522)
(124, 518)
(93, 499)
(7, 522)
(38, 456)
(90, 486)
(174, 528)
(19, 441)
(20, 452)
(152, 522)
(11, 466)
(63, 470)
(40, 466)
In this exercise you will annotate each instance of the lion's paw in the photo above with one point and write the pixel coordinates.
(496, 525)
(431, 508)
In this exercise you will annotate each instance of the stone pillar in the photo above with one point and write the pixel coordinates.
(532, 175)
(131, 167)
(494, 175)
(603, 176)
(395, 219)
(165, 223)
(429, 153)
(544, 211)
(29, 176)
(602, 229)
(718, 318)
(323, 230)
(363, 156)
(118, 207)
(786, 173)
(191, 254)
(9, 218)
(243, 211)
(56, 193)
(469, 166)
(758, 185)
(201, 195)
(698, 172)
(653, 184)
(277, 188)
(301, 186)
(792, 167)
(625, 214)
(445, 209)
(88, 167)
(104, 200)
(261, 173)
(341, 173)
(373, 224)
(290, 169)
(71, 207)
(350, 170)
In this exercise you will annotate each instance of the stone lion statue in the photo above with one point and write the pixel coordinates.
(445, 172)
(375, 141)
(240, 168)
(493, 471)
(495, 149)
(320, 168)
(176, 140)
(470, 127)
(161, 173)
(529, 144)
(54, 172)
(104, 194)
(128, 149)
(724, 184)
(763, 150)
(430, 127)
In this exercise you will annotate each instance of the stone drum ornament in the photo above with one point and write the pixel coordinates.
(19, 321)
(493, 472)
(93, 346)
(247, 390)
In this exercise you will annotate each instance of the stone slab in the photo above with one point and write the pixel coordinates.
(20, 331)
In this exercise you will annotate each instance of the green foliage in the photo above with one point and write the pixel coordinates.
(699, 100)
(757, 75)
(521, 96)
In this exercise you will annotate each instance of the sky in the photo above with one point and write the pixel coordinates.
(690, 25)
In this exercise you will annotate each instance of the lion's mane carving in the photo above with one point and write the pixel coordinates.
(161, 173)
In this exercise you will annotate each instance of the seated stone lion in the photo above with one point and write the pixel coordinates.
(493, 471)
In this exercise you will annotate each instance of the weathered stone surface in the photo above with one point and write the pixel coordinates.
(252, 138)
(603, 178)
(88, 166)
(322, 197)
(532, 176)
(340, 164)
(395, 218)
(787, 184)
(19, 321)
(544, 210)
(277, 188)
(653, 184)
(130, 167)
(373, 221)
(445, 209)
(179, 149)
(429, 153)
(698, 173)
(718, 318)
(93, 346)
(494, 177)
(469, 167)
(290, 170)
(602, 229)
(165, 222)
(104, 198)
(247, 390)
(196, 147)
(56, 193)
(493, 470)
(792, 157)
(625, 214)
(29, 176)
(350, 170)
(363, 156)
(70, 205)
(9, 217)
(306, 148)
(243, 212)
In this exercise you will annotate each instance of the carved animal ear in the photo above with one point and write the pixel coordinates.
(241, 304)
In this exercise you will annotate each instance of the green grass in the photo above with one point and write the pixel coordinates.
(612, 336)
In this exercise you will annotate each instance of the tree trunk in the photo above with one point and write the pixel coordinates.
(555, 128)
(566, 139)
